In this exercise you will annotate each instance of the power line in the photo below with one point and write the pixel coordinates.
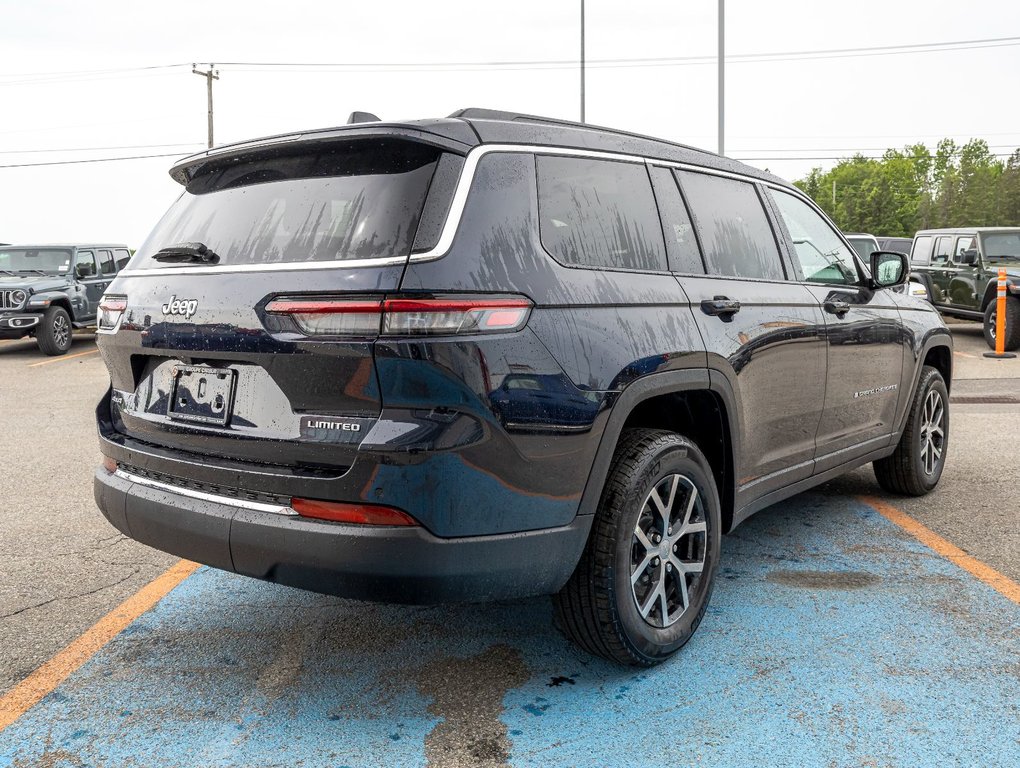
(95, 160)
(97, 149)
(31, 78)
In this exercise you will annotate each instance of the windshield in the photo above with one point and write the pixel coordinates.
(1001, 247)
(865, 246)
(50, 261)
(358, 200)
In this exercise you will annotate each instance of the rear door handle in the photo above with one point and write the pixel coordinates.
(720, 306)
(838, 308)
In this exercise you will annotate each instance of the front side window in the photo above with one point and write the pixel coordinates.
(599, 213)
(822, 255)
(964, 243)
(734, 230)
(85, 264)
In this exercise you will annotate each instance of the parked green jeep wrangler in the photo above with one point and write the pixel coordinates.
(960, 267)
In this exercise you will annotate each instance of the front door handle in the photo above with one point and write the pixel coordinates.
(837, 307)
(720, 306)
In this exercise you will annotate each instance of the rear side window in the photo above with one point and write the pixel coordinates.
(943, 248)
(681, 243)
(123, 257)
(734, 231)
(599, 213)
(349, 201)
(921, 252)
(106, 262)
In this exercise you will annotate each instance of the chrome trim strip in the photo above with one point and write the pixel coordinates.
(452, 224)
(257, 506)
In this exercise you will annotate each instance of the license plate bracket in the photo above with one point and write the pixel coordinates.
(201, 394)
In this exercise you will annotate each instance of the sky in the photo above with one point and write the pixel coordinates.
(72, 86)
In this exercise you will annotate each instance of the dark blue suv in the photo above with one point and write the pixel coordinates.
(497, 355)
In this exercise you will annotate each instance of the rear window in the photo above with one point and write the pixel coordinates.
(351, 201)
(599, 213)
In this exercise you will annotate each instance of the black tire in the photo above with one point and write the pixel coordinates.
(1012, 323)
(907, 470)
(598, 608)
(54, 334)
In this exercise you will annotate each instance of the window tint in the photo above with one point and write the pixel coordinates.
(599, 213)
(85, 264)
(943, 246)
(735, 233)
(106, 262)
(123, 256)
(921, 252)
(681, 244)
(822, 255)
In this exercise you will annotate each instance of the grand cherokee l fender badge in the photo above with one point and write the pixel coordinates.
(876, 390)
(185, 307)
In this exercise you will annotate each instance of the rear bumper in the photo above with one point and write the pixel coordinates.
(401, 565)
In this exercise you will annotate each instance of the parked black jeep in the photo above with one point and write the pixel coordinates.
(960, 268)
(47, 290)
(497, 355)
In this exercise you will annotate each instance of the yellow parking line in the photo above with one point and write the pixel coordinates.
(62, 358)
(997, 581)
(46, 678)
(964, 354)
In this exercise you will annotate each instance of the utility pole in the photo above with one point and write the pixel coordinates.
(833, 194)
(582, 61)
(209, 75)
(722, 76)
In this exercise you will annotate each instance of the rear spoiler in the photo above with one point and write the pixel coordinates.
(456, 137)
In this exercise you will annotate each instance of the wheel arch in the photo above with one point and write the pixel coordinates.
(691, 402)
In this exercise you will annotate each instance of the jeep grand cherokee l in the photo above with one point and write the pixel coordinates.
(496, 355)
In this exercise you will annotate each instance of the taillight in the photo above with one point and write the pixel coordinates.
(403, 317)
(111, 309)
(356, 514)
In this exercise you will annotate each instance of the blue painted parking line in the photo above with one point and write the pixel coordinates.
(832, 639)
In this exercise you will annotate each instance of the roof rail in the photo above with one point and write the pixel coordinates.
(480, 113)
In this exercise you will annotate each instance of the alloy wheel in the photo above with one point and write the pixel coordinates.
(933, 434)
(668, 550)
(61, 331)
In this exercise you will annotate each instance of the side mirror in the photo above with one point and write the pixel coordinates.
(888, 268)
(82, 270)
(969, 256)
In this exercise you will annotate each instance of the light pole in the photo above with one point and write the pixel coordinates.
(582, 61)
(722, 76)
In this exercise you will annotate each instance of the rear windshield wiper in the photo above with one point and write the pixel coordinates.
(183, 253)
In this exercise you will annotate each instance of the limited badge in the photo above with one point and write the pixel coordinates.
(334, 429)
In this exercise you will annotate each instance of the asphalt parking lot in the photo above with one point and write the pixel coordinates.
(835, 636)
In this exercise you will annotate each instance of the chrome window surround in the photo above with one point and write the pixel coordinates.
(457, 207)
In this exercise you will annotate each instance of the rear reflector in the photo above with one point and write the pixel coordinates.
(403, 317)
(109, 464)
(357, 514)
